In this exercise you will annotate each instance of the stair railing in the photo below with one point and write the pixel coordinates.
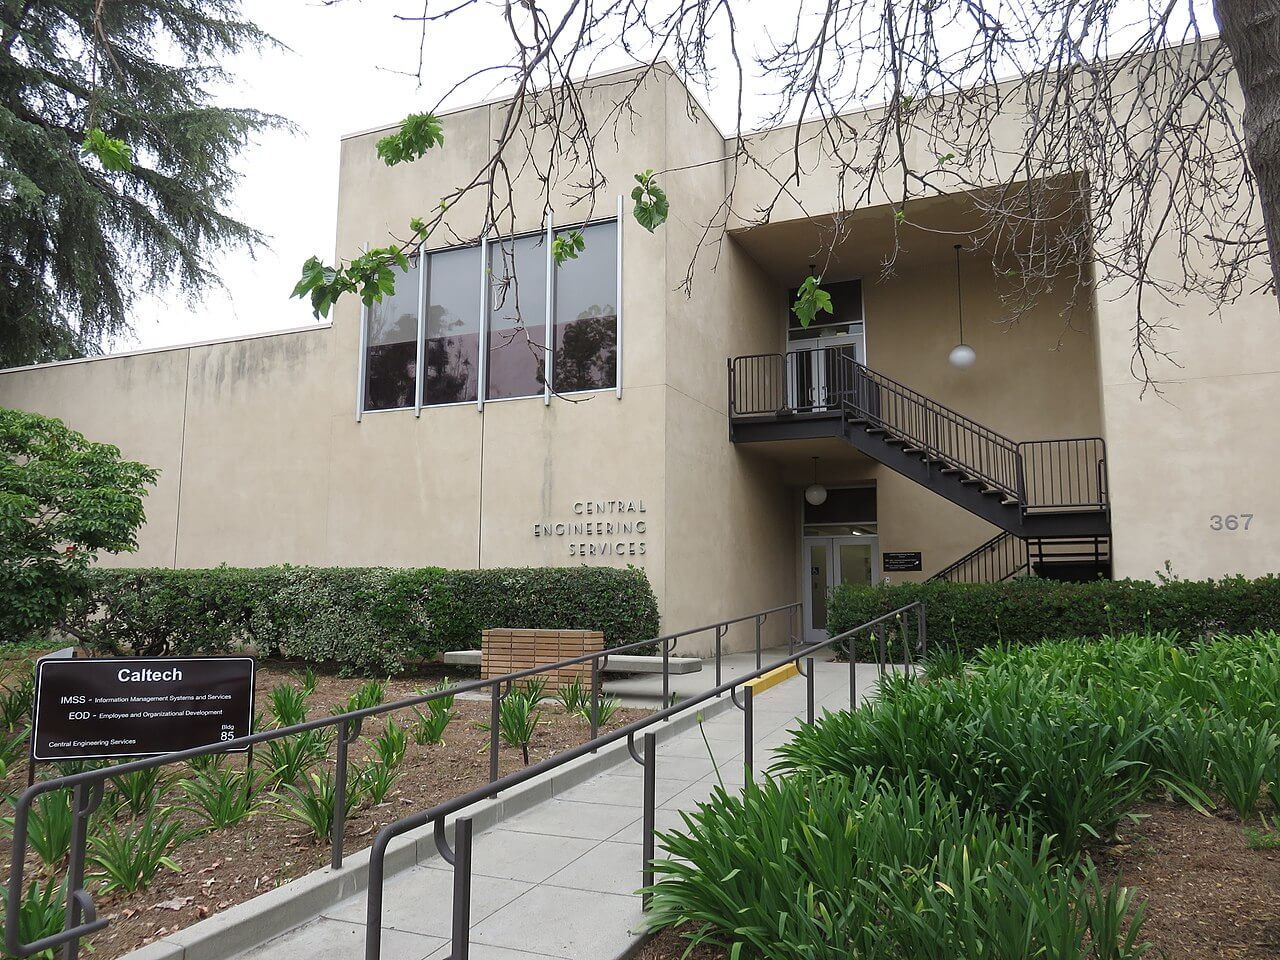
(1002, 557)
(1065, 474)
(1068, 474)
(946, 436)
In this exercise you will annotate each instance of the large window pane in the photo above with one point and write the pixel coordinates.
(392, 360)
(452, 355)
(517, 316)
(586, 314)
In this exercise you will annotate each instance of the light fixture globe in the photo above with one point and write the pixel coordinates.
(815, 494)
(962, 356)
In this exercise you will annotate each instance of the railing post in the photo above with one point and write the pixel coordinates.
(922, 631)
(853, 673)
(666, 674)
(882, 655)
(495, 703)
(759, 641)
(338, 829)
(748, 731)
(650, 803)
(461, 947)
(808, 676)
(595, 698)
(84, 800)
(719, 638)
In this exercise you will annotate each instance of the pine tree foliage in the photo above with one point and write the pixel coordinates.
(115, 162)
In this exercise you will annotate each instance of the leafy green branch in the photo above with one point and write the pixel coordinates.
(114, 155)
(418, 133)
(811, 300)
(373, 274)
(651, 201)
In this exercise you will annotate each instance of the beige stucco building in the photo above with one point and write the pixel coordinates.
(678, 431)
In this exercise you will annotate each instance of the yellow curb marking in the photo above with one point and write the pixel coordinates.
(771, 679)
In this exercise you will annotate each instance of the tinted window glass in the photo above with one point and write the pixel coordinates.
(586, 314)
(517, 316)
(392, 360)
(452, 354)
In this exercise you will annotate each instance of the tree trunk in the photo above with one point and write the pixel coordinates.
(1251, 31)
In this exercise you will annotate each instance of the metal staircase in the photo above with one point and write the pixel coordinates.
(1005, 557)
(1034, 490)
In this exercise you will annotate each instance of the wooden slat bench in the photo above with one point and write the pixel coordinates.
(617, 663)
(505, 651)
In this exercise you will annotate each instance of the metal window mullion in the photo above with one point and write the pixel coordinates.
(482, 380)
(364, 359)
(362, 366)
(618, 310)
(419, 370)
(547, 352)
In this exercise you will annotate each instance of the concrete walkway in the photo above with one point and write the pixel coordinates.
(559, 879)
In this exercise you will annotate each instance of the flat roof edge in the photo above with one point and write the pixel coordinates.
(144, 351)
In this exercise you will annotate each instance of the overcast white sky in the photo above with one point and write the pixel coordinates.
(336, 78)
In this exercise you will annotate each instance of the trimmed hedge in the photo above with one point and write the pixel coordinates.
(370, 620)
(1029, 610)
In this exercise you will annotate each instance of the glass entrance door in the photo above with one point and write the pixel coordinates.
(820, 369)
(827, 563)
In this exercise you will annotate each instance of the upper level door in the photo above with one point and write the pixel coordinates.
(818, 367)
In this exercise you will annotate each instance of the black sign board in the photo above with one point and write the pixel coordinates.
(903, 562)
(139, 706)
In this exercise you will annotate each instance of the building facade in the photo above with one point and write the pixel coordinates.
(628, 421)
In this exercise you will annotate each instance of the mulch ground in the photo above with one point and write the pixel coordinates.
(229, 866)
(1209, 897)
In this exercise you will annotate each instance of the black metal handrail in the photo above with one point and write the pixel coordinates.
(459, 854)
(88, 785)
(1000, 558)
(1060, 474)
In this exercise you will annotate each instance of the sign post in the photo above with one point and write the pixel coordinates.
(139, 706)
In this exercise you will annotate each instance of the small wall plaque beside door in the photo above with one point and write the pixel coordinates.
(903, 562)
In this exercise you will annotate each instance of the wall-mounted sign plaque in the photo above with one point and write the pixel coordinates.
(139, 706)
(902, 562)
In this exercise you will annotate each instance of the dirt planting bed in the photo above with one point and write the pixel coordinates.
(228, 866)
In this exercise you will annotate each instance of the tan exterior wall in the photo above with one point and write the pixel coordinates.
(263, 459)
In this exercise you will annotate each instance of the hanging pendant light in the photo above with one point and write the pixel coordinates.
(962, 355)
(815, 494)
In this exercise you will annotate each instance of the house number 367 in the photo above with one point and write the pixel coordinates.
(1230, 521)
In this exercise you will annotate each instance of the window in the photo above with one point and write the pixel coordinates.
(586, 314)
(493, 298)
(392, 359)
(517, 316)
(452, 354)
(845, 315)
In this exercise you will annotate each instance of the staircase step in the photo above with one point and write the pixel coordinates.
(876, 430)
(952, 470)
(896, 441)
(972, 482)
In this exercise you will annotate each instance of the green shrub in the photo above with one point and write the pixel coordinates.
(288, 705)
(49, 827)
(128, 856)
(63, 500)
(1029, 610)
(313, 804)
(364, 620)
(826, 869)
(291, 757)
(224, 797)
(42, 913)
(1069, 735)
(390, 746)
(429, 727)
